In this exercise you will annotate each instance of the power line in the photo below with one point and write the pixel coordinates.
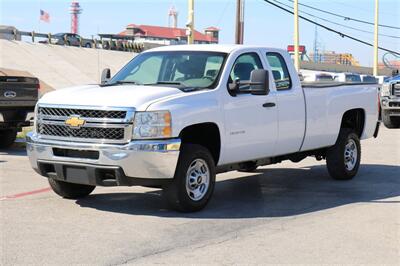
(347, 18)
(339, 24)
(332, 30)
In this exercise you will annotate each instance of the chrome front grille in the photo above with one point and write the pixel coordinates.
(396, 89)
(84, 132)
(99, 126)
(87, 113)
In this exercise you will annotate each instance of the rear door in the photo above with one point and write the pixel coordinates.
(18, 90)
(290, 102)
(250, 120)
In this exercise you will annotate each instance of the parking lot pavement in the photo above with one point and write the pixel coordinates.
(285, 213)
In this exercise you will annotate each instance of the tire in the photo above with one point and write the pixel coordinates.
(88, 45)
(7, 138)
(187, 194)
(338, 166)
(390, 122)
(248, 167)
(70, 190)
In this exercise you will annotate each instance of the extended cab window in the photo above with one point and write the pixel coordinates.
(243, 66)
(279, 71)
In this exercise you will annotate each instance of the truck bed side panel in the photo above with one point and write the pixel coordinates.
(326, 107)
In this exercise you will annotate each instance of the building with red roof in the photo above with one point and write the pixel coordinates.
(169, 35)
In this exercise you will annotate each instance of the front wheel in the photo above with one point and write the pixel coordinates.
(70, 190)
(343, 159)
(194, 179)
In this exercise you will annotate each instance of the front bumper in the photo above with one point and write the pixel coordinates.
(112, 164)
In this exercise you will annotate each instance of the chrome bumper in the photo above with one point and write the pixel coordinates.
(148, 159)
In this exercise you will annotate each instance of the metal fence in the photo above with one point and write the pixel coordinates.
(105, 41)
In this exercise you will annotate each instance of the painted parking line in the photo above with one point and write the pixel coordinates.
(24, 194)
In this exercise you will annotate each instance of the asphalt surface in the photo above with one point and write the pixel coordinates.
(284, 213)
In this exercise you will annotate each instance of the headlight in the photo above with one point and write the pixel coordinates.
(155, 124)
(385, 90)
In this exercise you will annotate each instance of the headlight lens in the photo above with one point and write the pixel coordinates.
(385, 90)
(155, 124)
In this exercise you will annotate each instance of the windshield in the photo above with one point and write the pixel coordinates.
(183, 69)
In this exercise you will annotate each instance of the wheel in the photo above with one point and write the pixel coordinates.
(194, 179)
(390, 122)
(343, 159)
(70, 190)
(88, 45)
(248, 167)
(7, 138)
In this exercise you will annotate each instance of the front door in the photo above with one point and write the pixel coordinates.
(251, 120)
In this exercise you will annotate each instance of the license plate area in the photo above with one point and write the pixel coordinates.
(81, 154)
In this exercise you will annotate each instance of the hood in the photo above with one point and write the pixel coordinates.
(117, 96)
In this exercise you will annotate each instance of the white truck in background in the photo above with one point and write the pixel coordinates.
(175, 116)
(390, 102)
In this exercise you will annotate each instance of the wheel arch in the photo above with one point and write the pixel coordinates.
(206, 134)
(354, 119)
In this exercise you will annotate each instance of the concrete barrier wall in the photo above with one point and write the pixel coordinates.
(60, 66)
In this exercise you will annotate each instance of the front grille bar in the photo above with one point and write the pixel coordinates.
(101, 126)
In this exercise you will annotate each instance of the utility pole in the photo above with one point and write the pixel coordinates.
(296, 35)
(239, 31)
(376, 38)
(190, 23)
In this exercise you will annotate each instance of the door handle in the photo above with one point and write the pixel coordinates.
(269, 105)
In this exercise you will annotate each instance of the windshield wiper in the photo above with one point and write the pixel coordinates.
(166, 82)
(119, 82)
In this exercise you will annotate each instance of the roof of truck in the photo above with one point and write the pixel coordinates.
(223, 48)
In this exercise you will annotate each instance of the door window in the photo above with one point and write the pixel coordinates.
(243, 66)
(279, 71)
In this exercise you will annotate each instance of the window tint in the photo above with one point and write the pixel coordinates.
(353, 78)
(323, 77)
(369, 79)
(243, 66)
(279, 71)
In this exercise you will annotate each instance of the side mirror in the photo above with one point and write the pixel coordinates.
(105, 75)
(259, 82)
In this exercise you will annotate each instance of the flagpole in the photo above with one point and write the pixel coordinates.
(40, 8)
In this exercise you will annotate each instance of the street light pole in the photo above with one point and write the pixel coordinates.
(239, 31)
(376, 38)
(190, 23)
(296, 35)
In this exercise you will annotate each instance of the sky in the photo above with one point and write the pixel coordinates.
(264, 24)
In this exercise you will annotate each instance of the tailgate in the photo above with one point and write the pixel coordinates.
(18, 89)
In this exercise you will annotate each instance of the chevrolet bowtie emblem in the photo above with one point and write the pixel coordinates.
(75, 122)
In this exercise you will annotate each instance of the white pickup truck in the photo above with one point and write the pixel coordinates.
(175, 116)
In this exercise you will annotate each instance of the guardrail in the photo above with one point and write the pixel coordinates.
(106, 42)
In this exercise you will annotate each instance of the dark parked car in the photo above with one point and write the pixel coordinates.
(70, 39)
(18, 97)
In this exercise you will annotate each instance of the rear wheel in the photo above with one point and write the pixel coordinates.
(7, 138)
(343, 159)
(390, 122)
(194, 179)
(70, 190)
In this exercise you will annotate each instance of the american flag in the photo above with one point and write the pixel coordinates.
(44, 16)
